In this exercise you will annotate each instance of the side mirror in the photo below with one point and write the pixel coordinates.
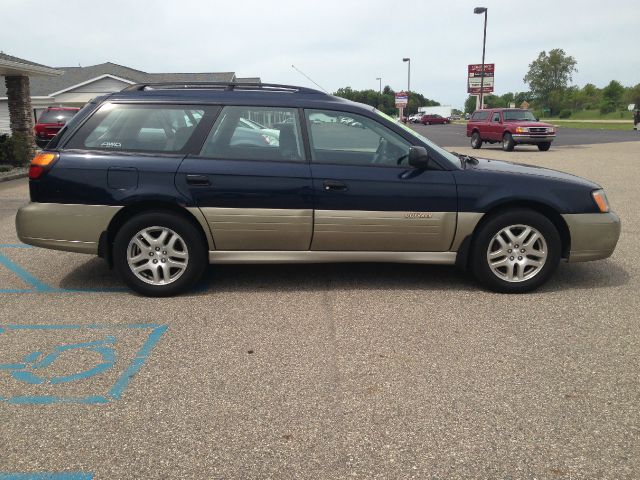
(537, 119)
(419, 157)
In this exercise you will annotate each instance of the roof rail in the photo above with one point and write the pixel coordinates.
(269, 87)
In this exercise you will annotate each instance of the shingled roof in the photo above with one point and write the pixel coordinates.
(41, 86)
(21, 65)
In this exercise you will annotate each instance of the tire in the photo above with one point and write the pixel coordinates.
(428, 123)
(185, 257)
(543, 147)
(517, 273)
(476, 141)
(507, 142)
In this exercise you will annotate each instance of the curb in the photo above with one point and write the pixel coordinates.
(14, 176)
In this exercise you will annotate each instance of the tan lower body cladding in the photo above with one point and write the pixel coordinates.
(258, 229)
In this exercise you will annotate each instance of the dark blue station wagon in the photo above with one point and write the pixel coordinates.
(162, 179)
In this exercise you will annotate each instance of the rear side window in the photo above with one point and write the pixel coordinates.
(478, 116)
(255, 133)
(138, 128)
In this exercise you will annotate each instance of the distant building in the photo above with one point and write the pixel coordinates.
(78, 85)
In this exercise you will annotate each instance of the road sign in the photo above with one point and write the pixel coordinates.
(474, 78)
(402, 99)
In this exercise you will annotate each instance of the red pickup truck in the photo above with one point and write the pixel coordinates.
(511, 126)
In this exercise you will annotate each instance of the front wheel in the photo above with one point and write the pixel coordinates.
(507, 142)
(515, 251)
(476, 141)
(159, 254)
(543, 147)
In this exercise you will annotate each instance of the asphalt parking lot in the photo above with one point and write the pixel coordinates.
(326, 371)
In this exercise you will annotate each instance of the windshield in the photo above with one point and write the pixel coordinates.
(518, 115)
(448, 155)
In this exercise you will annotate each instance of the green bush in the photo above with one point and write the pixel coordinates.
(14, 150)
(607, 107)
(538, 113)
(564, 113)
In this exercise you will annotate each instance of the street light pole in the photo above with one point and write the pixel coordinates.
(408, 83)
(481, 10)
(408, 73)
(380, 80)
(380, 92)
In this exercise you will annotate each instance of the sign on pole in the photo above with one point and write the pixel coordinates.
(402, 99)
(474, 78)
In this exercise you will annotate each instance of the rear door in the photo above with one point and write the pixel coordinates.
(252, 180)
(367, 197)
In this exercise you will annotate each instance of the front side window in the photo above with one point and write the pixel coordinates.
(255, 133)
(138, 128)
(496, 117)
(348, 138)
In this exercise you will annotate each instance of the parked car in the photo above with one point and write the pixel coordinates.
(467, 116)
(51, 120)
(434, 119)
(153, 181)
(511, 126)
(415, 118)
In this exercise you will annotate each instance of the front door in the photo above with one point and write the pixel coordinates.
(251, 180)
(367, 197)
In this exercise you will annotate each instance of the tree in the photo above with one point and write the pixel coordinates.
(549, 75)
(611, 97)
(385, 102)
(470, 104)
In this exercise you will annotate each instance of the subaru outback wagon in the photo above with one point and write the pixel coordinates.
(162, 179)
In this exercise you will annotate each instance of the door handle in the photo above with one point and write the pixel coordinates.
(332, 185)
(198, 180)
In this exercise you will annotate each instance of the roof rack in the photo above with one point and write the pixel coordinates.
(228, 86)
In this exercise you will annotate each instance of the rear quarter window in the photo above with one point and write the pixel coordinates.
(479, 116)
(138, 128)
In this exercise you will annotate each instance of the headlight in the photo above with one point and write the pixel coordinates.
(551, 130)
(601, 200)
(522, 129)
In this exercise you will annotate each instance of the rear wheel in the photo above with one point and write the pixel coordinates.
(159, 254)
(543, 147)
(476, 141)
(515, 251)
(507, 142)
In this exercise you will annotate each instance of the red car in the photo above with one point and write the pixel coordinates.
(51, 120)
(433, 119)
(511, 126)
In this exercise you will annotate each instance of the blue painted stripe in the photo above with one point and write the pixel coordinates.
(136, 364)
(15, 245)
(24, 275)
(47, 476)
(54, 326)
(52, 399)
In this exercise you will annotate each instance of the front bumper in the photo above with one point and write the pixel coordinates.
(533, 139)
(72, 228)
(593, 235)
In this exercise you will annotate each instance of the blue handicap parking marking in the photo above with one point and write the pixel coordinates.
(35, 284)
(31, 369)
(47, 476)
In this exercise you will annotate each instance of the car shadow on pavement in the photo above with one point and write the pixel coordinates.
(588, 275)
(96, 275)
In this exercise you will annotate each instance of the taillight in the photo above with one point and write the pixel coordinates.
(41, 163)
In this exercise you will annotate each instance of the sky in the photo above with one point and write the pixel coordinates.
(336, 43)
